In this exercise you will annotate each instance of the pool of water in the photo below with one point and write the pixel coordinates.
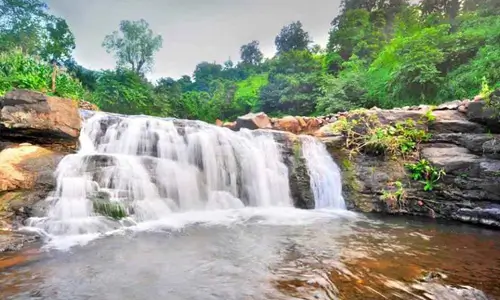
(265, 254)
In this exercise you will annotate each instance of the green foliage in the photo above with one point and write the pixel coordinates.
(247, 92)
(395, 196)
(251, 54)
(124, 91)
(292, 38)
(26, 72)
(365, 133)
(427, 174)
(134, 45)
(384, 53)
(114, 210)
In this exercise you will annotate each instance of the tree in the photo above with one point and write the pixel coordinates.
(126, 92)
(27, 25)
(292, 37)
(204, 73)
(251, 54)
(60, 41)
(134, 45)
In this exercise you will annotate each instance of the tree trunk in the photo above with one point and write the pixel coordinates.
(54, 76)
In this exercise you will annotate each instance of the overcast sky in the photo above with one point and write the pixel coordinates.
(192, 30)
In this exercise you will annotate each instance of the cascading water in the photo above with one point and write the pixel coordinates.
(326, 181)
(147, 168)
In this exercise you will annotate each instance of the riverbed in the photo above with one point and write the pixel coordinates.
(265, 254)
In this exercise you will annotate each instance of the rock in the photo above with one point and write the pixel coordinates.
(452, 105)
(462, 109)
(461, 126)
(288, 123)
(333, 142)
(491, 148)
(229, 125)
(11, 241)
(439, 291)
(451, 158)
(253, 121)
(313, 124)
(473, 142)
(393, 116)
(478, 112)
(326, 131)
(302, 123)
(26, 177)
(483, 216)
(85, 105)
(31, 116)
(300, 186)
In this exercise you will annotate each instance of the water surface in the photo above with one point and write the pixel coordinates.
(261, 254)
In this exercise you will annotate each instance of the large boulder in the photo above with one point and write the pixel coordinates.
(28, 116)
(480, 112)
(288, 123)
(26, 177)
(253, 121)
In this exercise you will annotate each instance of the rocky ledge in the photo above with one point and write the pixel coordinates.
(436, 161)
(36, 131)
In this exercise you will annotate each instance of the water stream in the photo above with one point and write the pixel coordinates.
(146, 169)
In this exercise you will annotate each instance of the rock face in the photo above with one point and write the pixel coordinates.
(28, 116)
(298, 174)
(470, 190)
(36, 131)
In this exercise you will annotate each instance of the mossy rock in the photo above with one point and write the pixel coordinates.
(114, 210)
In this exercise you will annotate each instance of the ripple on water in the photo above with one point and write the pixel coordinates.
(252, 255)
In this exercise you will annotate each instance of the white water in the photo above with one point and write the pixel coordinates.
(159, 169)
(326, 181)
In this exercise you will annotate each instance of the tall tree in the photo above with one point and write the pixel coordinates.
(292, 37)
(251, 54)
(204, 73)
(134, 45)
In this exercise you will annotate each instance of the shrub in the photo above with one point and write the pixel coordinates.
(27, 72)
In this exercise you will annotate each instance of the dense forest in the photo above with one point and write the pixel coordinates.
(382, 53)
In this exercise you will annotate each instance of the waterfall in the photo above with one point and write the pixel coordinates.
(326, 181)
(144, 168)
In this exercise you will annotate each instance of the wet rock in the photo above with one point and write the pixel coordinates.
(31, 116)
(439, 291)
(300, 186)
(253, 121)
(489, 216)
(13, 241)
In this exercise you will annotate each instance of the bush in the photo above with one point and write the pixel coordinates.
(27, 72)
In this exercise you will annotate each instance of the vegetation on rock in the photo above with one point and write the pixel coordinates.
(379, 53)
(427, 174)
(110, 209)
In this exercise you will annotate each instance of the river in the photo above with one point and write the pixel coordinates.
(272, 253)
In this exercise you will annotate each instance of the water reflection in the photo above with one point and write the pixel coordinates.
(328, 259)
